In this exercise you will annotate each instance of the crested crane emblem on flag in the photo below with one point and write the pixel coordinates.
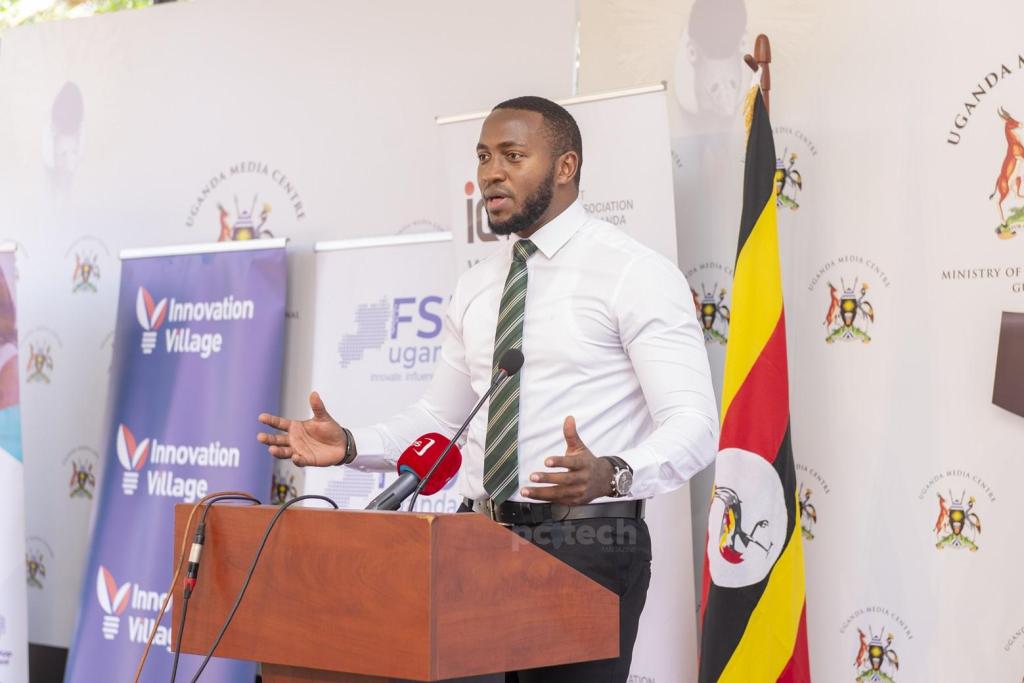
(957, 525)
(113, 601)
(150, 316)
(746, 531)
(843, 310)
(875, 656)
(732, 531)
(132, 455)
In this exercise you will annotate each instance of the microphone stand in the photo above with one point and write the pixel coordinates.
(499, 377)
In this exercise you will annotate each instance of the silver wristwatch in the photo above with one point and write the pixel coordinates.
(622, 477)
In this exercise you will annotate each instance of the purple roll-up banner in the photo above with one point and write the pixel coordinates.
(198, 353)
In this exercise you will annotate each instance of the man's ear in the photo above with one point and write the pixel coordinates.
(567, 168)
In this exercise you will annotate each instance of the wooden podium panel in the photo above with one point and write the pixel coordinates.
(386, 595)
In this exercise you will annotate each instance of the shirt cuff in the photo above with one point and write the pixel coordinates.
(371, 451)
(649, 477)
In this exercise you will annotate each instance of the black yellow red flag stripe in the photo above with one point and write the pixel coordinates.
(753, 609)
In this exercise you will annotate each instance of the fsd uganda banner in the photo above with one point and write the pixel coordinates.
(197, 356)
(380, 308)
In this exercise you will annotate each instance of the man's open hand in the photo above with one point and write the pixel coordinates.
(586, 477)
(318, 441)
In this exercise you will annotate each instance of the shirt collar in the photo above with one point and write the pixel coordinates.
(554, 234)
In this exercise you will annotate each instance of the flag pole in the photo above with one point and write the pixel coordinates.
(762, 59)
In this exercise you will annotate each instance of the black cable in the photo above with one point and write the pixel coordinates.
(187, 592)
(252, 568)
(209, 503)
(177, 642)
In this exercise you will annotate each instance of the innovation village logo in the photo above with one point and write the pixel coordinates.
(162, 479)
(180, 337)
(115, 600)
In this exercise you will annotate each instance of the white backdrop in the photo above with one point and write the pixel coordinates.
(640, 202)
(881, 428)
(307, 119)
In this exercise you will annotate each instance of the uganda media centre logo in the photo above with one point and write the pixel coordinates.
(995, 99)
(712, 302)
(879, 632)
(39, 556)
(813, 492)
(84, 463)
(244, 200)
(172, 317)
(956, 500)
(844, 285)
(113, 601)
(132, 455)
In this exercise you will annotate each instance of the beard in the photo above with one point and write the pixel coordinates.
(535, 206)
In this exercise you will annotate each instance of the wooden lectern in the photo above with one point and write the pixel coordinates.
(374, 596)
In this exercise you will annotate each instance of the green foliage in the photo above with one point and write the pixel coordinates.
(18, 12)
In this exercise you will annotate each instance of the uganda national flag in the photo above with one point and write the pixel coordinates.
(753, 617)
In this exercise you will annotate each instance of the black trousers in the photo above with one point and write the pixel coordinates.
(615, 553)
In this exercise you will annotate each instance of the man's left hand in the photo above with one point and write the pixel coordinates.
(586, 477)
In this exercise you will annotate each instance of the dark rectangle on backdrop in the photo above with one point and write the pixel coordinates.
(1008, 389)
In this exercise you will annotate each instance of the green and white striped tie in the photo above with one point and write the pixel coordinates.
(501, 456)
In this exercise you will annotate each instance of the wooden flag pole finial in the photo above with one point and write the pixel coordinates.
(762, 59)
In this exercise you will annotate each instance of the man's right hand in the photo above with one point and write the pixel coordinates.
(318, 441)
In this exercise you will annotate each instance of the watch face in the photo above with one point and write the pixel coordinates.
(623, 482)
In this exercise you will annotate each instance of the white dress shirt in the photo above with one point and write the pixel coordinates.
(610, 337)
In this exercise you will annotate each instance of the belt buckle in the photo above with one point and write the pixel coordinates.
(488, 509)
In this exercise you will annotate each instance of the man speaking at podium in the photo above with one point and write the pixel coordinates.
(614, 402)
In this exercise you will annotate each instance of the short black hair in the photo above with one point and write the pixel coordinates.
(563, 132)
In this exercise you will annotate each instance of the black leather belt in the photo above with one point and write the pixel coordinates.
(516, 513)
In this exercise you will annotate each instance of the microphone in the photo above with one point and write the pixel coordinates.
(509, 364)
(419, 459)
